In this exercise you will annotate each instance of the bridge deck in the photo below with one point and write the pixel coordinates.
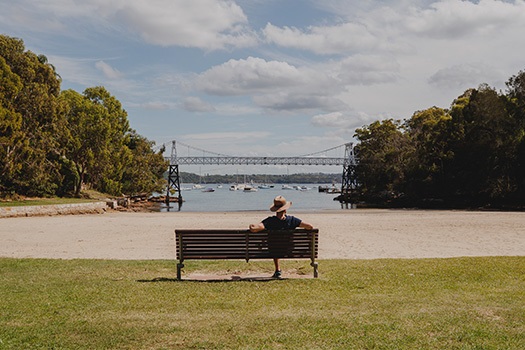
(256, 161)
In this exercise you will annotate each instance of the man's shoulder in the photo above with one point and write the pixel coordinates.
(292, 218)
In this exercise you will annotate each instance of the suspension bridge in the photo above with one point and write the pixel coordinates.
(348, 162)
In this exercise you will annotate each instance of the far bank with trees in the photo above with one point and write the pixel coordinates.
(468, 156)
(57, 143)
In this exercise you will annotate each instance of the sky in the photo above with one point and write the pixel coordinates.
(272, 77)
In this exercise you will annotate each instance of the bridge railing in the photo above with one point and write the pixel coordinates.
(256, 161)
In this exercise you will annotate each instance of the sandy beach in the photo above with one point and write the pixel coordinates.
(344, 234)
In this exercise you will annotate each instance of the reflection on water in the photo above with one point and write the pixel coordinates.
(223, 199)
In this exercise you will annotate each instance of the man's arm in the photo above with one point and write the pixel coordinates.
(257, 227)
(305, 225)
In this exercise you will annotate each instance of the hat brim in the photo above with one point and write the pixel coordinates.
(281, 208)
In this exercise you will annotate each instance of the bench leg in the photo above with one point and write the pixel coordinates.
(315, 266)
(179, 268)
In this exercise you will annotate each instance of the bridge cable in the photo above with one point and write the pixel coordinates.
(326, 150)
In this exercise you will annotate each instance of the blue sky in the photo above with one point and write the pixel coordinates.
(272, 77)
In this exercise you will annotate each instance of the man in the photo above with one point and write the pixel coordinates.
(280, 221)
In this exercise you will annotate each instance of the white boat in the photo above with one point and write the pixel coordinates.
(249, 188)
(208, 189)
(287, 187)
(197, 186)
(233, 188)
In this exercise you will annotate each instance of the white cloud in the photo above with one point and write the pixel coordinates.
(109, 72)
(457, 18)
(340, 120)
(275, 85)
(195, 104)
(394, 28)
(204, 24)
(279, 86)
(346, 37)
(298, 102)
(225, 142)
(78, 71)
(252, 75)
(464, 76)
(369, 69)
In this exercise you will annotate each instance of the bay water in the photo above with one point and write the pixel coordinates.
(224, 199)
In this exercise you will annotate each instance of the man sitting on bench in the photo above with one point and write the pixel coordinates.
(280, 221)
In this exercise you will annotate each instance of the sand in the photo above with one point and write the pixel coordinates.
(344, 234)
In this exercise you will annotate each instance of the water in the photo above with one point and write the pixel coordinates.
(222, 199)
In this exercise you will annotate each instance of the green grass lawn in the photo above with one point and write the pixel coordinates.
(464, 303)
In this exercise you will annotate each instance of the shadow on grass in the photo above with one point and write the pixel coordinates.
(214, 279)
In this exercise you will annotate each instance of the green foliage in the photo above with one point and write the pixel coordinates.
(429, 134)
(57, 143)
(471, 155)
(31, 113)
(383, 156)
(144, 174)
(11, 136)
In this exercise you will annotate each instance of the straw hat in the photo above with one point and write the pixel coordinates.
(280, 204)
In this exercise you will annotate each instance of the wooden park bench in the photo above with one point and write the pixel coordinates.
(211, 244)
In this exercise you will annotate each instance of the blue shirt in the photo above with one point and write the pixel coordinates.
(274, 223)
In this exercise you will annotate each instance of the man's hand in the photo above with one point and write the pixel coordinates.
(256, 227)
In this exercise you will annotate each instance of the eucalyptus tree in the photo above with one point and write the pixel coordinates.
(485, 148)
(429, 135)
(35, 101)
(11, 135)
(87, 135)
(115, 155)
(98, 130)
(145, 172)
(516, 109)
(383, 151)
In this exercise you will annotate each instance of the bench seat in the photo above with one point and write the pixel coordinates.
(212, 244)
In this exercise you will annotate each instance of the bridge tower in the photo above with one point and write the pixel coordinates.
(349, 181)
(173, 176)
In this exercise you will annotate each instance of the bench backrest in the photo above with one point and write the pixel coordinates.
(243, 244)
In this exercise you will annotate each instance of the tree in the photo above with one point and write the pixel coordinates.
(107, 173)
(98, 128)
(87, 135)
(11, 136)
(484, 151)
(36, 102)
(383, 157)
(516, 109)
(429, 133)
(145, 172)
(53, 143)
